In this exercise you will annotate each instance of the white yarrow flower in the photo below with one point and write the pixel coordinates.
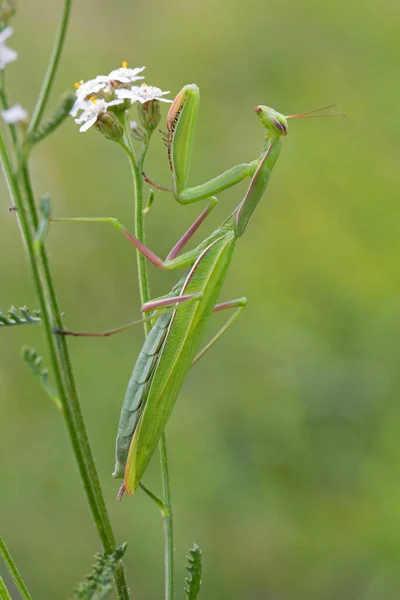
(85, 89)
(93, 109)
(78, 105)
(126, 75)
(7, 55)
(15, 114)
(92, 86)
(143, 93)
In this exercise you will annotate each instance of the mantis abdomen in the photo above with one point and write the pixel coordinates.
(137, 390)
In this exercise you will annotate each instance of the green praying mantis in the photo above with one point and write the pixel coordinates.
(181, 316)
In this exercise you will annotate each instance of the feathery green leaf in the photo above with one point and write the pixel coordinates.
(194, 568)
(60, 114)
(34, 363)
(99, 584)
(19, 316)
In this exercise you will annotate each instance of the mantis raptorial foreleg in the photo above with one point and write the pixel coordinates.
(181, 121)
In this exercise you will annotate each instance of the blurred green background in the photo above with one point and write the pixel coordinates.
(284, 446)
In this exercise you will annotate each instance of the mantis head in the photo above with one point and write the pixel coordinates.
(276, 123)
(272, 120)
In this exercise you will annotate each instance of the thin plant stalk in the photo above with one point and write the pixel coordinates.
(28, 218)
(13, 570)
(137, 167)
(5, 106)
(51, 69)
(168, 522)
(63, 372)
(4, 593)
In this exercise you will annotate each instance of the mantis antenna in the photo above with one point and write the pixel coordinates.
(310, 113)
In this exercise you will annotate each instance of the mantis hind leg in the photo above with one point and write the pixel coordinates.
(169, 303)
(240, 304)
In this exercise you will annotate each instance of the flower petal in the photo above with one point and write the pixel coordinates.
(88, 124)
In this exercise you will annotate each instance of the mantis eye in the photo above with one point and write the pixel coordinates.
(271, 119)
(279, 125)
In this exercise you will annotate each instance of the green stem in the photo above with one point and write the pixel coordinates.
(59, 354)
(5, 106)
(51, 69)
(61, 364)
(13, 570)
(137, 168)
(168, 523)
(4, 593)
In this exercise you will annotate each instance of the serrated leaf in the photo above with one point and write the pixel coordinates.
(60, 114)
(194, 569)
(19, 316)
(99, 583)
(34, 363)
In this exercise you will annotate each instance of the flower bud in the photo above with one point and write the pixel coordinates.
(109, 126)
(149, 114)
(7, 10)
(136, 131)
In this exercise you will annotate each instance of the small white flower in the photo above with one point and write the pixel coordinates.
(78, 105)
(85, 89)
(92, 110)
(126, 75)
(92, 86)
(142, 94)
(6, 54)
(15, 114)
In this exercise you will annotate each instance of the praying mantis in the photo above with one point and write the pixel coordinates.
(172, 346)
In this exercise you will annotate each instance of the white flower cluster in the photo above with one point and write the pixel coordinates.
(6, 54)
(16, 114)
(95, 96)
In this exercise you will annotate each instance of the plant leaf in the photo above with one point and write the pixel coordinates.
(194, 569)
(34, 363)
(19, 316)
(99, 583)
(60, 114)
